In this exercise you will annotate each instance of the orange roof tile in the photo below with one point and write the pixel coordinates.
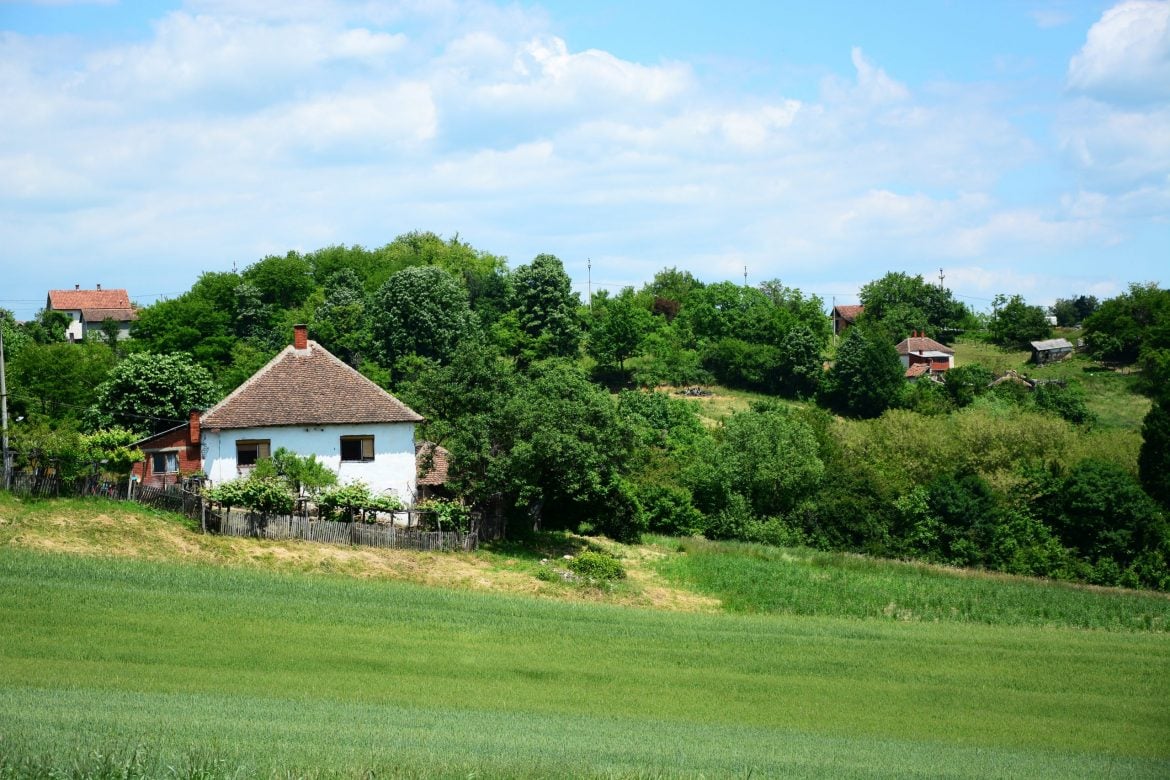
(65, 300)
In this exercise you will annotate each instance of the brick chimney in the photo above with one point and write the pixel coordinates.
(300, 336)
(193, 427)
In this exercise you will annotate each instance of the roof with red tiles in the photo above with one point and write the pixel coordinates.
(848, 313)
(307, 387)
(68, 300)
(917, 370)
(440, 463)
(922, 344)
(100, 315)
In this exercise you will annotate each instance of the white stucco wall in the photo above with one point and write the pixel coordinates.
(392, 469)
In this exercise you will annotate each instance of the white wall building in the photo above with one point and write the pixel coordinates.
(311, 403)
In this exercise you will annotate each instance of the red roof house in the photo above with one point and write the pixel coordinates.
(921, 350)
(88, 309)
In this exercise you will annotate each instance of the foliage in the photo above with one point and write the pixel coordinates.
(1014, 323)
(302, 474)
(449, 515)
(353, 502)
(1073, 311)
(1064, 400)
(545, 310)
(669, 361)
(595, 565)
(901, 303)
(421, 311)
(867, 376)
(111, 450)
(618, 327)
(267, 494)
(1154, 458)
(152, 392)
(1123, 327)
(201, 322)
(966, 383)
(341, 323)
(57, 380)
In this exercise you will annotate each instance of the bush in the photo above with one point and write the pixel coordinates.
(670, 510)
(597, 566)
(449, 515)
(354, 501)
(264, 494)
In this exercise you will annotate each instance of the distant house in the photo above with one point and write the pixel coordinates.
(433, 462)
(88, 309)
(311, 403)
(921, 355)
(171, 455)
(844, 316)
(1051, 350)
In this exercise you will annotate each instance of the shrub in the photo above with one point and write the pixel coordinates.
(670, 510)
(449, 515)
(597, 566)
(353, 502)
(264, 494)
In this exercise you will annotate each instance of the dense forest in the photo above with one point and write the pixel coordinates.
(566, 414)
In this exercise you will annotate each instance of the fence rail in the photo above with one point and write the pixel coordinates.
(235, 522)
(239, 523)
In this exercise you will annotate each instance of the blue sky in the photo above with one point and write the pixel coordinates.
(1023, 147)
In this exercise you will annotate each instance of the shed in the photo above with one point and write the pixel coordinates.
(1051, 350)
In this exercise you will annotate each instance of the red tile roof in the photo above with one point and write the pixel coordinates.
(440, 462)
(65, 300)
(917, 370)
(307, 387)
(98, 315)
(922, 344)
(848, 313)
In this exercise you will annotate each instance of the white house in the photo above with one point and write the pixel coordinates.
(311, 403)
(89, 309)
(921, 355)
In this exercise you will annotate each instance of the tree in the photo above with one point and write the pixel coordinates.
(546, 310)
(1154, 457)
(284, 282)
(867, 378)
(801, 365)
(966, 383)
(421, 311)
(619, 327)
(902, 303)
(342, 321)
(57, 380)
(201, 322)
(1074, 311)
(149, 392)
(1014, 323)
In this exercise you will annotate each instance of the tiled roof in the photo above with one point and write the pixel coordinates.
(99, 315)
(64, 300)
(440, 462)
(307, 387)
(922, 344)
(917, 370)
(848, 313)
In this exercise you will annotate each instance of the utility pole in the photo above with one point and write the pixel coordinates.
(589, 266)
(745, 276)
(4, 415)
(941, 277)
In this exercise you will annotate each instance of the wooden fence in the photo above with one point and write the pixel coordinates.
(241, 523)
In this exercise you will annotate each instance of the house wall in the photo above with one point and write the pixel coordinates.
(76, 329)
(179, 442)
(939, 361)
(95, 328)
(392, 469)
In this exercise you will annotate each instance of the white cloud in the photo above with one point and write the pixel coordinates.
(1126, 58)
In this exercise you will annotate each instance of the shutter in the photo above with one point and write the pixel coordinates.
(368, 448)
(262, 450)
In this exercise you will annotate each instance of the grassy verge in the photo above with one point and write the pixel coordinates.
(250, 673)
(760, 579)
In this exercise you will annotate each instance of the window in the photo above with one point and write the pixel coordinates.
(164, 462)
(357, 448)
(248, 451)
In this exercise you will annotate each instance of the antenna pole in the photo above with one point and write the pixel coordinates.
(941, 277)
(745, 276)
(589, 266)
(4, 415)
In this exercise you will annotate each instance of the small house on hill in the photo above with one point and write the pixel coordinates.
(1051, 350)
(88, 309)
(311, 403)
(844, 316)
(921, 350)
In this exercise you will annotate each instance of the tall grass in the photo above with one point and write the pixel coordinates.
(763, 579)
(260, 673)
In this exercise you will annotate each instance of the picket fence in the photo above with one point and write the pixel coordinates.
(242, 523)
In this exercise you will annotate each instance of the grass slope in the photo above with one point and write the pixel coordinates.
(251, 673)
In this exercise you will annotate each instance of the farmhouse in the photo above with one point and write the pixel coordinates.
(844, 316)
(311, 403)
(921, 355)
(88, 309)
(1051, 350)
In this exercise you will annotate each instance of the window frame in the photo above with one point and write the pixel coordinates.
(366, 451)
(262, 447)
(168, 455)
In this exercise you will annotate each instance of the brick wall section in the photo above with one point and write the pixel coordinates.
(177, 440)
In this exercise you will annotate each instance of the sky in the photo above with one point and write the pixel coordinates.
(1017, 147)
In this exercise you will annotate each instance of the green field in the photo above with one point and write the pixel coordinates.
(203, 671)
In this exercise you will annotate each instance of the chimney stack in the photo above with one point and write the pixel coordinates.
(193, 427)
(300, 336)
(77, 287)
(99, 287)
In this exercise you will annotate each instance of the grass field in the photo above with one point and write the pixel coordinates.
(132, 646)
(252, 673)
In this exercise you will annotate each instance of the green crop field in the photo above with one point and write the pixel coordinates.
(130, 668)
